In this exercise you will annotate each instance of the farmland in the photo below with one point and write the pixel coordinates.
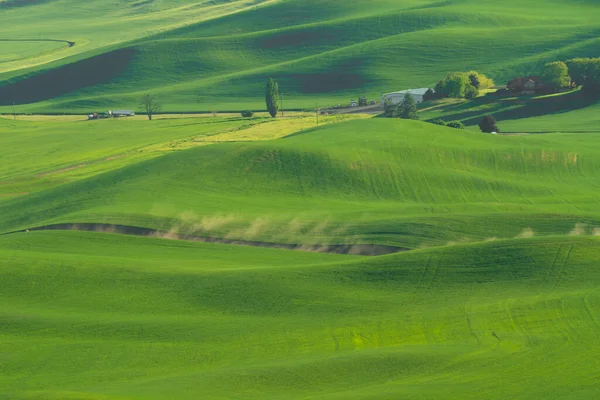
(205, 254)
(218, 56)
(501, 280)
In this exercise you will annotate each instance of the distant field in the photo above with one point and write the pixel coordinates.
(207, 55)
(18, 50)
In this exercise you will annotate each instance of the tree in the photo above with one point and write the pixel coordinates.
(150, 105)
(272, 97)
(439, 121)
(453, 85)
(456, 125)
(484, 81)
(362, 101)
(488, 124)
(462, 85)
(586, 72)
(556, 75)
(247, 114)
(474, 79)
(471, 92)
(407, 108)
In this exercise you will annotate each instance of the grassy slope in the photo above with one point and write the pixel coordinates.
(137, 318)
(81, 148)
(104, 316)
(72, 148)
(338, 53)
(563, 112)
(386, 181)
(94, 25)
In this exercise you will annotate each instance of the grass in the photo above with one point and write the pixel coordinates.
(105, 145)
(562, 112)
(125, 318)
(384, 181)
(498, 297)
(345, 51)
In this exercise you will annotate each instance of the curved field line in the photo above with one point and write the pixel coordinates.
(562, 268)
(552, 267)
(422, 278)
(588, 309)
(71, 44)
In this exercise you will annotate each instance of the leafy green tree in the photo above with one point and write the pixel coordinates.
(556, 75)
(272, 97)
(439, 121)
(471, 92)
(455, 125)
(247, 114)
(462, 85)
(586, 72)
(453, 85)
(362, 101)
(407, 108)
(488, 124)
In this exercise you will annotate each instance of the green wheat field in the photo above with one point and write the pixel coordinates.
(492, 292)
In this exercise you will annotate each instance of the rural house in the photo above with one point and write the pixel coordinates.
(397, 97)
(528, 85)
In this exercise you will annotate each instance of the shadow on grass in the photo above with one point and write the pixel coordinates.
(65, 79)
(470, 113)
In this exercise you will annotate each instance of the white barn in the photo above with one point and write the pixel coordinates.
(397, 97)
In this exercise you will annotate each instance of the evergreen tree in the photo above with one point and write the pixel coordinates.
(474, 79)
(272, 97)
(407, 109)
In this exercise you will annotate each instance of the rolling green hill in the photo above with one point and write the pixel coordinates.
(496, 297)
(321, 51)
(406, 183)
(98, 316)
(197, 257)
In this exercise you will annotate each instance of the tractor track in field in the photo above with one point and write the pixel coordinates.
(70, 43)
(350, 249)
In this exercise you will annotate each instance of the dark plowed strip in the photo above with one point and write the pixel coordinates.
(354, 249)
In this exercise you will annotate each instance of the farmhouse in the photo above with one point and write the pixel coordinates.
(397, 97)
(528, 85)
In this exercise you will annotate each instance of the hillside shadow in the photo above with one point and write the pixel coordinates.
(344, 76)
(65, 79)
(524, 107)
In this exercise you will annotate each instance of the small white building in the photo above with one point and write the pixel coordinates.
(121, 113)
(397, 97)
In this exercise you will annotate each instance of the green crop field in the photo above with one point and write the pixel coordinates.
(498, 295)
(200, 56)
(207, 255)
